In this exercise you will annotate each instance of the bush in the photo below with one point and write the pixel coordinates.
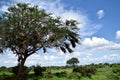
(74, 75)
(3, 68)
(60, 74)
(86, 71)
(15, 70)
(113, 76)
(48, 75)
(116, 68)
(100, 65)
(38, 70)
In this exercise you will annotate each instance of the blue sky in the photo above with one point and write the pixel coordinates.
(99, 30)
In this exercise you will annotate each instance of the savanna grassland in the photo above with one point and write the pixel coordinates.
(89, 72)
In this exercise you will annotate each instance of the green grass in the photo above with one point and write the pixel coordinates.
(101, 74)
(6, 74)
(68, 70)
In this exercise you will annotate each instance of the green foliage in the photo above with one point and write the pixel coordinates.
(115, 74)
(104, 73)
(60, 74)
(48, 75)
(38, 70)
(3, 68)
(74, 76)
(101, 65)
(116, 68)
(6, 74)
(73, 61)
(85, 70)
(15, 70)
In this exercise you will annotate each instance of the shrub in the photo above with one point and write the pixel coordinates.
(101, 65)
(116, 68)
(3, 68)
(85, 70)
(15, 70)
(48, 75)
(113, 76)
(60, 74)
(38, 70)
(107, 64)
(74, 75)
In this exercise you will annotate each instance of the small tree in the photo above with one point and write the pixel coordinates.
(73, 61)
(25, 29)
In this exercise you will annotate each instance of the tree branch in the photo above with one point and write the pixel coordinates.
(32, 51)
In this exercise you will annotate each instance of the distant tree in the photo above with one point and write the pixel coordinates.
(3, 68)
(106, 64)
(73, 61)
(25, 29)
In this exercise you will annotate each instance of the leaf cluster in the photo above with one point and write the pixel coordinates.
(26, 29)
(73, 61)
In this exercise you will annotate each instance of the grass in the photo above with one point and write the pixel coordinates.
(6, 74)
(68, 70)
(101, 74)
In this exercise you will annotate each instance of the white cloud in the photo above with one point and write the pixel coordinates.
(118, 34)
(8, 59)
(112, 58)
(95, 42)
(100, 43)
(85, 57)
(100, 14)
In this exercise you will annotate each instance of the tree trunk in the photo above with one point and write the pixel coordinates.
(21, 72)
(73, 65)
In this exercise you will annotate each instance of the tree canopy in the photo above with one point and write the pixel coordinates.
(25, 29)
(73, 61)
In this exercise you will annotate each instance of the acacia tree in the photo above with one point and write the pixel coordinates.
(73, 61)
(25, 29)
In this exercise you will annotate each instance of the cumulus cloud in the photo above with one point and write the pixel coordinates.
(100, 14)
(8, 59)
(95, 42)
(112, 58)
(100, 43)
(118, 34)
(85, 57)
